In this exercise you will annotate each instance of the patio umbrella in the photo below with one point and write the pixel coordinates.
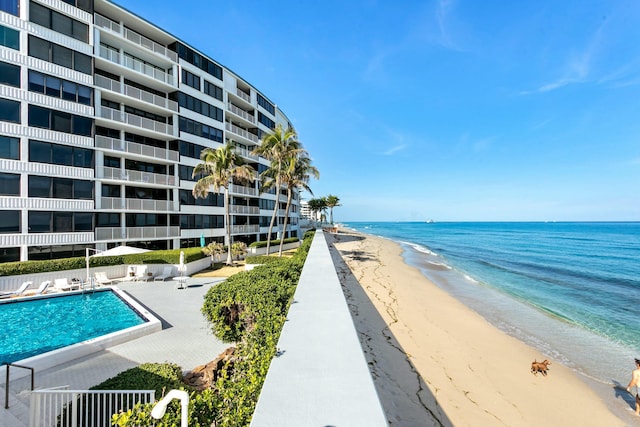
(181, 267)
(121, 250)
(202, 242)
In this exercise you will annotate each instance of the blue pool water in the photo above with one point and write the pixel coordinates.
(571, 290)
(36, 326)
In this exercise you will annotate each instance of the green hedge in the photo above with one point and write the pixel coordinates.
(154, 257)
(263, 243)
(248, 308)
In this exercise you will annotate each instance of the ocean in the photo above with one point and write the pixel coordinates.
(571, 290)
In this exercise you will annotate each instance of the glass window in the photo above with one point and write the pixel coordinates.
(62, 222)
(9, 222)
(9, 38)
(9, 110)
(36, 82)
(39, 186)
(38, 117)
(69, 90)
(82, 126)
(52, 86)
(62, 188)
(80, 31)
(39, 14)
(110, 190)
(83, 221)
(39, 222)
(82, 158)
(39, 48)
(61, 23)
(9, 74)
(9, 184)
(112, 162)
(83, 63)
(84, 95)
(39, 152)
(62, 56)
(83, 190)
(10, 6)
(9, 147)
(61, 155)
(60, 121)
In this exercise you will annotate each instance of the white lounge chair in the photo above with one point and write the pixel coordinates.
(141, 273)
(18, 291)
(43, 287)
(101, 278)
(167, 273)
(61, 284)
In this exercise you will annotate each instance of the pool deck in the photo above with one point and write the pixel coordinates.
(182, 326)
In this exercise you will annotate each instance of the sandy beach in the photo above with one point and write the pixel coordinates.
(436, 362)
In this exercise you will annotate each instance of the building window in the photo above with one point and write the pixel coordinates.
(9, 38)
(60, 188)
(190, 79)
(201, 107)
(199, 129)
(194, 58)
(9, 74)
(58, 22)
(10, 6)
(108, 220)
(9, 111)
(60, 222)
(9, 184)
(213, 90)
(58, 88)
(9, 147)
(262, 101)
(9, 222)
(266, 121)
(60, 121)
(60, 55)
(86, 5)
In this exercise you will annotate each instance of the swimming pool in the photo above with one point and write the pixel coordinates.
(84, 322)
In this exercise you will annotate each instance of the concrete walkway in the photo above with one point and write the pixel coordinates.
(185, 339)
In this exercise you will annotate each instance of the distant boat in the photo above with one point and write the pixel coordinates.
(429, 221)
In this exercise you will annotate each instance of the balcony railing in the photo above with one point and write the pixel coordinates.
(243, 95)
(249, 210)
(106, 172)
(244, 229)
(240, 189)
(137, 204)
(246, 153)
(136, 148)
(118, 233)
(240, 112)
(133, 120)
(135, 64)
(134, 37)
(134, 92)
(243, 133)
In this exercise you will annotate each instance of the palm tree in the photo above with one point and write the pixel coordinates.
(296, 176)
(219, 168)
(317, 205)
(277, 147)
(332, 202)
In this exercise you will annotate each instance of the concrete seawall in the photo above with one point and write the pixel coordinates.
(320, 377)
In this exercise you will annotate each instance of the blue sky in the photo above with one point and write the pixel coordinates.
(447, 110)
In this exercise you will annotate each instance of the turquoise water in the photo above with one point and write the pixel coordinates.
(571, 290)
(32, 327)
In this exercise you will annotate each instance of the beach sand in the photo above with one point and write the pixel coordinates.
(435, 362)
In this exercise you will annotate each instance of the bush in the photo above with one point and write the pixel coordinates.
(263, 243)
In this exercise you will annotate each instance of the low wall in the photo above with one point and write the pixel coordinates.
(273, 248)
(320, 376)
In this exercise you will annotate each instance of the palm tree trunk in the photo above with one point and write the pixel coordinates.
(286, 217)
(273, 217)
(227, 219)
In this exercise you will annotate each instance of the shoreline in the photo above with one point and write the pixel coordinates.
(437, 362)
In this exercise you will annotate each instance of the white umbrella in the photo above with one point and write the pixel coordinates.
(121, 250)
(181, 267)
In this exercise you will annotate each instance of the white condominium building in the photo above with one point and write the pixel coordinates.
(103, 117)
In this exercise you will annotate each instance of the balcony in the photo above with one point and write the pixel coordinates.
(134, 37)
(247, 210)
(241, 132)
(129, 233)
(118, 174)
(246, 153)
(240, 189)
(245, 229)
(133, 120)
(135, 64)
(135, 148)
(242, 94)
(147, 205)
(241, 113)
(134, 92)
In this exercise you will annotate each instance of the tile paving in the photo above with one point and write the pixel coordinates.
(185, 339)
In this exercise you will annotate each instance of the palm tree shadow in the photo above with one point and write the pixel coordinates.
(403, 393)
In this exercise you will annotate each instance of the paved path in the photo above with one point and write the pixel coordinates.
(185, 339)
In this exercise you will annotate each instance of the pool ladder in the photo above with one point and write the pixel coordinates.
(6, 387)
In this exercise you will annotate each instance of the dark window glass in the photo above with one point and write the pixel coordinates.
(83, 190)
(9, 38)
(108, 220)
(110, 190)
(9, 74)
(39, 14)
(9, 222)
(62, 56)
(61, 121)
(82, 158)
(39, 48)
(62, 188)
(83, 63)
(53, 86)
(9, 110)
(111, 162)
(82, 126)
(84, 95)
(36, 82)
(83, 221)
(61, 155)
(10, 6)
(39, 186)
(61, 23)
(39, 152)
(39, 222)
(69, 90)
(38, 116)
(9, 148)
(9, 184)
(62, 222)
(86, 5)
(80, 31)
